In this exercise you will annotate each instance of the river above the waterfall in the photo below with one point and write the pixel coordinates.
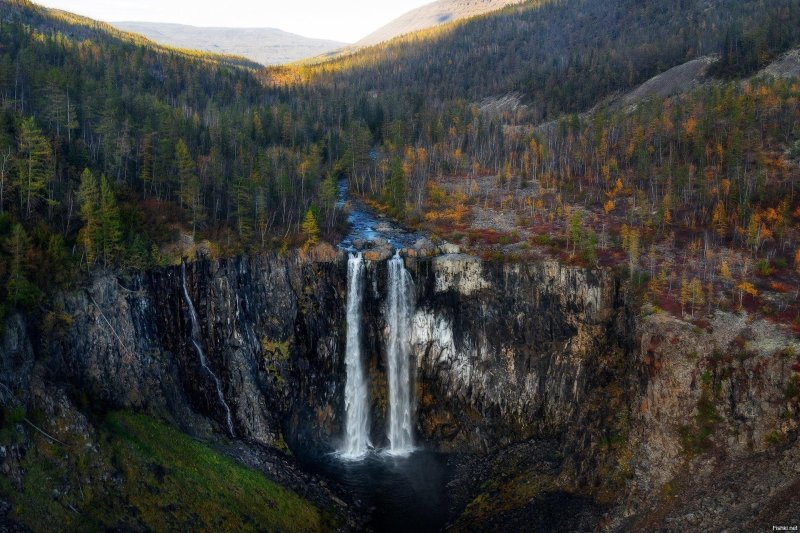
(367, 225)
(404, 493)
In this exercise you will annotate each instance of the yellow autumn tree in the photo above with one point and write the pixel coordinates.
(310, 229)
(666, 207)
(696, 294)
(725, 270)
(689, 126)
(745, 287)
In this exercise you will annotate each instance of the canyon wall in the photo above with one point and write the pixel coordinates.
(503, 353)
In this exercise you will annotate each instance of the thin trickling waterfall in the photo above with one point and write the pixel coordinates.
(356, 405)
(400, 306)
(196, 334)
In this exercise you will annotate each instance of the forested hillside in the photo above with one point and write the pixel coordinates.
(118, 152)
(433, 93)
(486, 137)
(563, 56)
(112, 147)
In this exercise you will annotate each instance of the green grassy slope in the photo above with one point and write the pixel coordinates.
(140, 474)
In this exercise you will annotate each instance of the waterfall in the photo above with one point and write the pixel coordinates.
(400, 306)
(356, 400)
(196, 334)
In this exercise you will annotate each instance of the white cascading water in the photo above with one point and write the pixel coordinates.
(400, 307)
(196, 334)
(356, 440)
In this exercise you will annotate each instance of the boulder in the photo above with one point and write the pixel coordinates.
(422, 248)
(449, 248)
(379, 254)
(377, 242)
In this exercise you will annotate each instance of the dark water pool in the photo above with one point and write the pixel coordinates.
(406, 493)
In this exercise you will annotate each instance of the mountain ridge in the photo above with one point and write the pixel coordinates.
(266, 46)
(431, 15)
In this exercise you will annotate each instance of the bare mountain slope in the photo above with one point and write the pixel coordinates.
(433, 14)
(787, 66)
(684, 77)
(268, 46)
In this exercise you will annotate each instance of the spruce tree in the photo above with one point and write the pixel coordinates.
(89, 203)
(111, 233)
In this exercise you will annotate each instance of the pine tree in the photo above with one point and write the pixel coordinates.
(111, 232)
(20, 290)
(327, 197)
(357, 142)
(589, 247)
(244, 211)
(6, 163)
(190, 189)
(34, 164)
(185, 166)
(575, 229)
(89, 204)
(395, 189)
(146, 168)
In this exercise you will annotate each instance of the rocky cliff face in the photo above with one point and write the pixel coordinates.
(504, 353)
(713, 441)
(271, 333)
(507, 351)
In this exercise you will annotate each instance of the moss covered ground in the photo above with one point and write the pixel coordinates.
(141, 474)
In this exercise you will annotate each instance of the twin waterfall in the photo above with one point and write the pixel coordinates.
(356, 402)
(399, 309)
(196, 335)
(400, 304)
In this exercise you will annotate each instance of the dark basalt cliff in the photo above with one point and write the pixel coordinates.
(508, 351)
(507, 356)
(272, 330)
(502, 352)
